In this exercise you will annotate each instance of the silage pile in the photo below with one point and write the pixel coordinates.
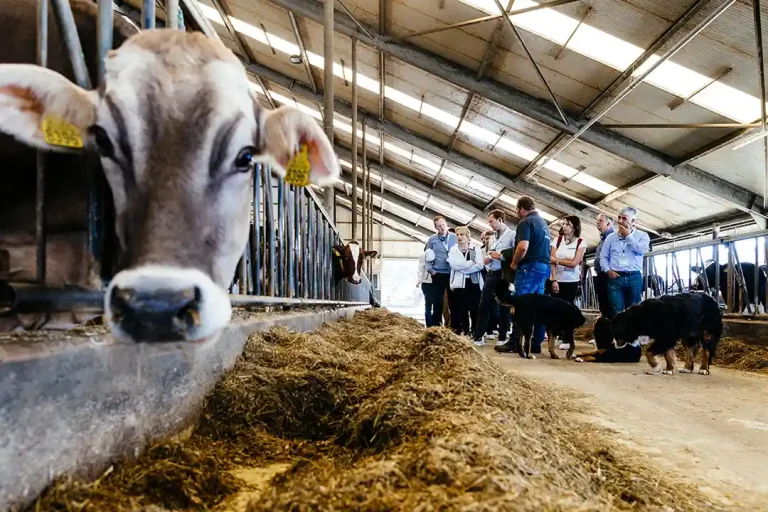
(736, 355)
(377, 413)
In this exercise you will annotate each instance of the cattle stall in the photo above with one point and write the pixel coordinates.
(740, 285)
(73, 399)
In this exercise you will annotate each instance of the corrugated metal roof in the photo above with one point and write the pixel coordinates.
(575, 78)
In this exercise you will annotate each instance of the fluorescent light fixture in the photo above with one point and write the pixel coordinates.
(295, 59)
(749, 140)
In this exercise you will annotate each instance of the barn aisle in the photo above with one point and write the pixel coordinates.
(711, 430)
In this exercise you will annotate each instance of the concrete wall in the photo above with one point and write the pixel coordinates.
(71, 404)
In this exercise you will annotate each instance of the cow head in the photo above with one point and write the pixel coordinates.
(178, 130)
(349, 258)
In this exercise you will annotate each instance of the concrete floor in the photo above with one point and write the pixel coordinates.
(710, 430)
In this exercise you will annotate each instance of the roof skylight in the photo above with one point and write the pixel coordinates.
(619, 54)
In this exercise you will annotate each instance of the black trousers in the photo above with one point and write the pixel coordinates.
(601, 290)
(567, 291)
(440, 284)
(465, 305)
(487, 305)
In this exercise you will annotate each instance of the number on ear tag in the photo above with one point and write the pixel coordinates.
(297, 170)
(58, 132)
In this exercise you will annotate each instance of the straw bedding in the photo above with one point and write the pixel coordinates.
(376, 413)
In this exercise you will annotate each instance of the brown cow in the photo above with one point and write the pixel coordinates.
(177, 130)
(348, 263)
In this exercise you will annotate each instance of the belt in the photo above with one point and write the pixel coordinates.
(628, 273)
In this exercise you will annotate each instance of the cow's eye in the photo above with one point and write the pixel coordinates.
(244, 159)
(103, 142)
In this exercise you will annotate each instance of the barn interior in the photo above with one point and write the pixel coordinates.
(433, 107)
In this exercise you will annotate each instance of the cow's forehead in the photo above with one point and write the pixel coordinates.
(178, 69)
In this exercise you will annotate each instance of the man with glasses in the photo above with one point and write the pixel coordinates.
(621, 258)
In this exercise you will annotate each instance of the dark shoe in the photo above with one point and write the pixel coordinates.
(506, 348)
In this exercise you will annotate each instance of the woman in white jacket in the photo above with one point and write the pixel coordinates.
(424, 280)
(466, 282)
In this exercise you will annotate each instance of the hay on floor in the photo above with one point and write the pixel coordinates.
(377, 413)
(736, 355)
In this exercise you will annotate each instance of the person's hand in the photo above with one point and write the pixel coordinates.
(555, 261)
(513, 266)
(495, 255)
(612, 274)
(555, 287)
(624, 229)
(487, 260)
(431, 272)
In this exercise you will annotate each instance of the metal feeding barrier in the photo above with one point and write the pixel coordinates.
(727, 281)
(287, 262)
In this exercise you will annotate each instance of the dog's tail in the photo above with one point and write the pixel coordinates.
(504, 296)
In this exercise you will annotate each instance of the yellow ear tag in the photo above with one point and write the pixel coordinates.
(58, 132)
(297, 170)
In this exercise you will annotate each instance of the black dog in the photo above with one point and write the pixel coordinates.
(693, 317)
(558, 316)
(607, 349)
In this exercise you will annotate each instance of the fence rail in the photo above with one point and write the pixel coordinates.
(741, 287)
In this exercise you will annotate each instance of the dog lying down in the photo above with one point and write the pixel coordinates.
(608, 351)
(692, 317)
(559, 317)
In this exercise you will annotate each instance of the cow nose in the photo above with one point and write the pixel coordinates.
(156, 315)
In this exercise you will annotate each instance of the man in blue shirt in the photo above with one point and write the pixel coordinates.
(621, 258)
(439, 269)
(503, 238)
(605, 227)
(531, 263)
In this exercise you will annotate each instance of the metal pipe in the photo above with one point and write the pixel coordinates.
(365, 190)
(302, 239)
(257, 275)
(533, 61)
(681, 125)
(354, 138)
(328, 32)
(40, 238)
(355, 20)
(281, 256)
(21, 299)
(105, 34)
(631, 87)
(756, 10)
(172, 14)
(679, 103)
(578, 26)
(483, 19)
(311, 251)
(269, 232)
(242, 270)
(148, 15)
(66, 20)
(302, 51)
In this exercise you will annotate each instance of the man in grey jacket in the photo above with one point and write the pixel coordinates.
(440, 270)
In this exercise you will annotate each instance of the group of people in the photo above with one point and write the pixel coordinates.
(454, 272)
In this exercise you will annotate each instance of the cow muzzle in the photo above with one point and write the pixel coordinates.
(160, 304)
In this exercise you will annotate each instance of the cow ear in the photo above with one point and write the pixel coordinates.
(369, 254)
(286, 129)
(32, 96)
(338, 248)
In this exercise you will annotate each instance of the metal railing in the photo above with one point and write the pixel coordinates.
(288, 260)
(290, 247)
(741, 287)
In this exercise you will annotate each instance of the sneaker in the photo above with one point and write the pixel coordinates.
(480, 343)
(564, 346)
(492, 336)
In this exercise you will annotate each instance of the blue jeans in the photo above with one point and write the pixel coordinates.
(530, 278)
(624, 291)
